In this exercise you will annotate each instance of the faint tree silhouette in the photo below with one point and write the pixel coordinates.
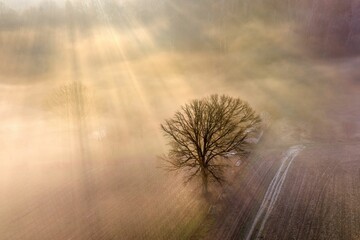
(71, 100)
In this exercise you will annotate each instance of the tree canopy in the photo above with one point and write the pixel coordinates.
(204, 132)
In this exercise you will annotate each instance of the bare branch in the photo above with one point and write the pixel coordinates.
(204, 131)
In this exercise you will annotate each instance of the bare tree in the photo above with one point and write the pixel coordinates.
(71, 100)
(204, 132)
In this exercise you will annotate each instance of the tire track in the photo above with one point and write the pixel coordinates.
(273, 191)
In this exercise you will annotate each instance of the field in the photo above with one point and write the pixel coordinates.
(317, 198)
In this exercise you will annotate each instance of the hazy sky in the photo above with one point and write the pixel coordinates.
(23, 4)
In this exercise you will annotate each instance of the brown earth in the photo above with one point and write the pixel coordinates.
(321, 192)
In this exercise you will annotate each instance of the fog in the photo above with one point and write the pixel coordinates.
(84, 86)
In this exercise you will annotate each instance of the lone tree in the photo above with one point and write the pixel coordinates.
(205, 132)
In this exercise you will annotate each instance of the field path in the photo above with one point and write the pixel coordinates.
(273, 190)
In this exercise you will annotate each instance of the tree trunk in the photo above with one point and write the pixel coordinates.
(204, 182)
